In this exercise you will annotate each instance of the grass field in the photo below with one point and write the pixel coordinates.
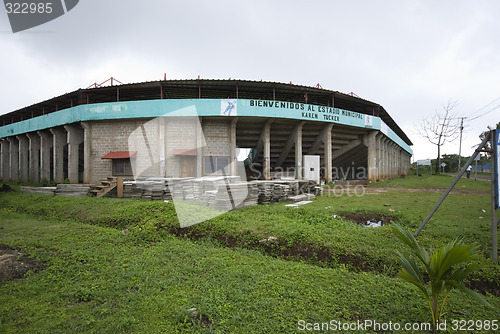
(115, 265)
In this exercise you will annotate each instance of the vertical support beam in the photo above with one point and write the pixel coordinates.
(370, 142)
(34, 153)
(59, 140)
(162, 145)
(386, 158)
(119, 187)
(391, 150)
(46, 142)
(267, 152)
(379, 154)
(23, 157)
(5, 159)
(298, 151)
(200, 142)
(327, 141)
(13, 158)
(75, 138)
(232, 146)
(87, 152)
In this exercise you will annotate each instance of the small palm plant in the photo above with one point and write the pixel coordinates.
(444, 270)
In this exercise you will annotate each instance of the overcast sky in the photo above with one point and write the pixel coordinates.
(409, 56)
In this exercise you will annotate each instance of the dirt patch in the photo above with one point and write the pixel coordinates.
(483, 287)
(309, 253)
(14, 264)
(362, 218)
(5, 188)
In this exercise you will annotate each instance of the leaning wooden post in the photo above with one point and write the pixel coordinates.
(455, 181)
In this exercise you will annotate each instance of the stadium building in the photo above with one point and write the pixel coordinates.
(192, 128)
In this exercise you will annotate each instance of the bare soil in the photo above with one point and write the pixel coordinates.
(14, 264)
(361, 218)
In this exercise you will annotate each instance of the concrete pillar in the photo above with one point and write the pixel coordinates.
(59, 140)
(5, 159)
(327, 141)
(200, 142)
(46, 142)
(34, 157)
(232, 147)
(379, 154)
(369, 141)
(13, 158)
(386, 158)
(162, 146)
(87, 151)
(75, 138)
(298, 151)
(23, 157)
(267, 152)
(391, 159)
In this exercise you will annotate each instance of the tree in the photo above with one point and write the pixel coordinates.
(441, 128)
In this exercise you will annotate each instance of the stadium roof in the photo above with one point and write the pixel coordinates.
(206, 88)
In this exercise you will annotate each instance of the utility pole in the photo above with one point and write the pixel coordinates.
(460, 146)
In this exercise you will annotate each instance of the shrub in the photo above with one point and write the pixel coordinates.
(444, 270)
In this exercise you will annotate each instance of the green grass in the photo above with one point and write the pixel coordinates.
(434, 182)
(113, 266)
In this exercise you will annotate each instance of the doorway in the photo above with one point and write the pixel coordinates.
(188, 166)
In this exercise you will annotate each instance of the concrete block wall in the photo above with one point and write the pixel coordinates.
(118, 135)
(180, 134)
(217, 137)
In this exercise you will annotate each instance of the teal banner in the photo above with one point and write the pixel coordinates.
(202, 107)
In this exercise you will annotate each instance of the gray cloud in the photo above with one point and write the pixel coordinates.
(409, 57)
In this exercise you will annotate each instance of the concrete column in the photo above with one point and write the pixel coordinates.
(400, 161)
(327, 141)
(75, 138)
(13, 158)
(5, 159)
(87, 151)
(379, 155)
(200, 142)
(45, 145)
(386, 159)
(59, 140)
(34, 154)
(370, 142)
(298, 151)
(391, 159)
(232, 147)
(267, 152)
(23, 157)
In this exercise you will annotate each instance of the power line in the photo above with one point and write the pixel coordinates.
(482, 108)
(495, 108)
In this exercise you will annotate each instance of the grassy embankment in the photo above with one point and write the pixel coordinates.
(125, 265)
